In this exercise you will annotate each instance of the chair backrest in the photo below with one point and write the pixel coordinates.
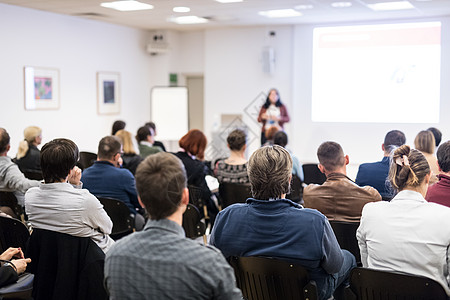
(268, 278)
(10, 200)
(296, 193)
(13, 233)
(346, 235)
(65, 266)
(87, 159)
(370, 284)
(231, 193)
(123, 222)
(192, 222)
(196, 199)
(312, 174)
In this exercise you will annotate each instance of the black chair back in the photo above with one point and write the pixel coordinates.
(268, 278)
(346, 235)
(87, 159)
(296, 193)
(231, 193)
(370, 284)
(312, 174)
(192, 222)
(13, 233)
(9, 199)
(123, 222)
(196, 199)
(65, 266)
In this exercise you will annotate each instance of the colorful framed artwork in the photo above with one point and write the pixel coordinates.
(108, 93)
(41, 88)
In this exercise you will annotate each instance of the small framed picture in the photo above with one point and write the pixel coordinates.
(108, 93)
(41, 88)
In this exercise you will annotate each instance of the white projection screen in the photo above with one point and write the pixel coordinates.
(169, 111)
(386, 73)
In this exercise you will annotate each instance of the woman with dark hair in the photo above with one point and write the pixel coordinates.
(234, 168)
(407, 234)
(272, 113)
(117, 125)
(191, 153)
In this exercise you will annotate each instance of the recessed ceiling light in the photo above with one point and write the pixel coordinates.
(341, 4)
(188, 20)
(280, 13)
(127, 5)
(229, 1)
(390, 5)
(304, 6)
(181, 9)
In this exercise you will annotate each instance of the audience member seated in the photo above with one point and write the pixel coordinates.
(105, 178)
(117, 125)
(146, 142)
(338, 198)
(272, 226)
(440, 192)
(130, 159)
(234, 168)
(27, 157)
(425, 143)
(192, 152)
(437, 135)
(160, 262)
(11, 179)
(156, 143)
(407, 234)
(376, 174)
(281, 139)
(13, 264)
(60, 204)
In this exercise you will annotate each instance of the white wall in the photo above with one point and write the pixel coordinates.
(79, 48)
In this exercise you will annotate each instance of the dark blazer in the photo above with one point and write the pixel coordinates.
(160, 145)
(31, 161)
(195, 172)
(375, 175)
(7, 276)
(131, 162)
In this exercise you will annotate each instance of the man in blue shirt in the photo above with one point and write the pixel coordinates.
(105, 178)
(375, 174)
(272, 226)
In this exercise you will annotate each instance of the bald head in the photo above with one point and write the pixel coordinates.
(4, 141)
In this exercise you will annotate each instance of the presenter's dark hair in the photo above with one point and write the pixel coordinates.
(58, 157)
(4, 140)
(118, 125)
(443, 156)
(393, 140)
(108, 147)
(437, 135)
(277, 104)
(160, 181)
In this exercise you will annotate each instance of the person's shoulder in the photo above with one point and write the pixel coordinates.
(311, 187)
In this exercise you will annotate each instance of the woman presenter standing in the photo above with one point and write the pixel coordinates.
(272, 113)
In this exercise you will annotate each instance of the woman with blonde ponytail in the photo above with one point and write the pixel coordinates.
(407, 234)
(27, 157)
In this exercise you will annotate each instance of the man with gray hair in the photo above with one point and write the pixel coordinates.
(272, 226)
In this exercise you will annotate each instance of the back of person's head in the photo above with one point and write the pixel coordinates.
(271, 131)
(425, 142)
(108, 147)
(151, 125)
(142, 133)
(408, 168)
(236, 140)
(393, 140)
(160, 181)
(443, 156)
(4, 140)
(194, 142)
(269, 172)
(58, 157)
(30, 134)
(127, 141)
(331, 156)
(437, 135)
(280, 138)
(117, 125)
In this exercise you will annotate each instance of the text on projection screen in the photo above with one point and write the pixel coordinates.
(377, 73)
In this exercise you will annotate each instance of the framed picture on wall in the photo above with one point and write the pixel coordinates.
(108, 93)
(41, 88)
